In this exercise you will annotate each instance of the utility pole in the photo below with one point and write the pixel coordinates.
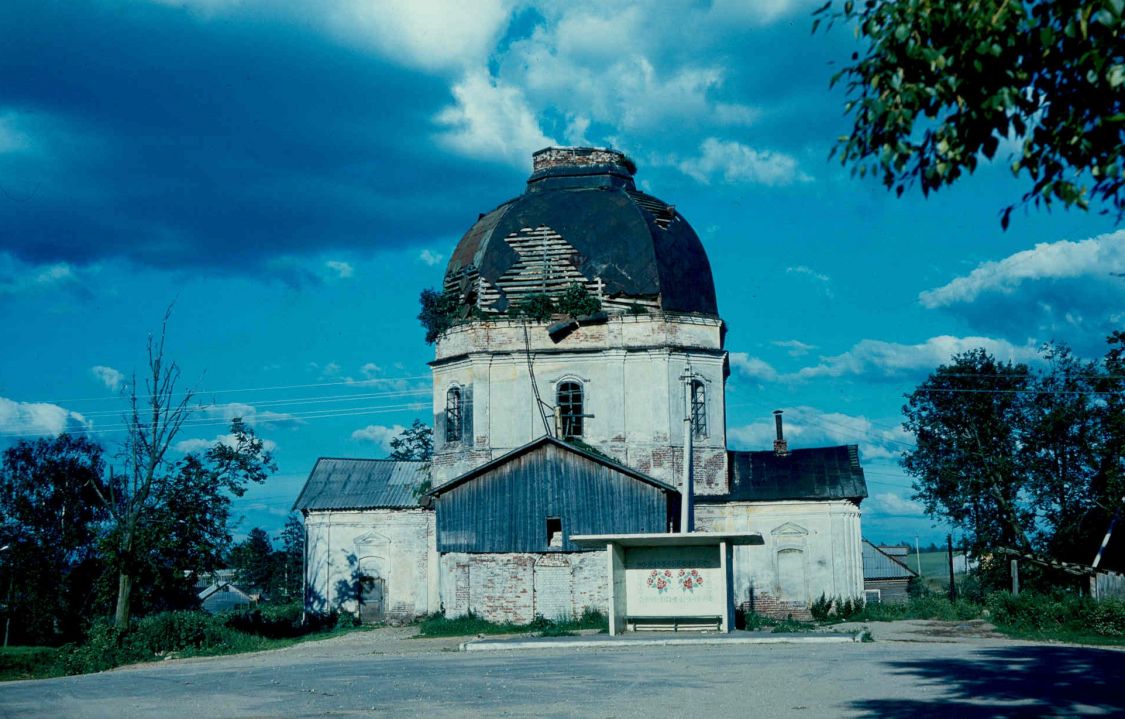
(687, 518)
(952, 583)
(918, 557)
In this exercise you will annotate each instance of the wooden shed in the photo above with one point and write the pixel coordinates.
(885, 577)
(535, 497)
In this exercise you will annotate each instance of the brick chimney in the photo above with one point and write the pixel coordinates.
(552, 157)
(780, 446)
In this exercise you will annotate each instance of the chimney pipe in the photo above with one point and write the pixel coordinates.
(780, 446)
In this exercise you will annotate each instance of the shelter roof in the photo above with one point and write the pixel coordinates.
(877, 564)
(816, 473)
(337, 483)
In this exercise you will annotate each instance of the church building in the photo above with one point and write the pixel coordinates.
(578, 389)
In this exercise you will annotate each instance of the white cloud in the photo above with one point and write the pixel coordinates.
(734, 162)
(108, 376)
(38, 418)
(249, 414)
(894, 505)
(378, 434)
(370, 370)
(343, 270)
(202, 445)
(796, 348)
(808, 272)
(876, 357)
(1102, 256)
(759, 12)
(17, 276)
(752, 367)
(491, 120)
(433, 35)
(806, 426)
(430, 258)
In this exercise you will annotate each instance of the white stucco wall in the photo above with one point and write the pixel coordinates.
(630, 370)
(395, 545)
(810, 548)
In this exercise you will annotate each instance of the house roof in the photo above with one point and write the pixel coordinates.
(541, 442)
(336, 483)
(877, 564)
(816, 473)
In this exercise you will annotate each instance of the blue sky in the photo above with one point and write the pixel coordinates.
(292, 175)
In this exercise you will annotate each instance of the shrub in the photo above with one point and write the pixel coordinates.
(277, 621)
(577, 301)
(821, 608)
(103, 649)
(166, 632)
(538, 307)
(438, 313)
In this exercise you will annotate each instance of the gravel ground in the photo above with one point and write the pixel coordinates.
(911, 670)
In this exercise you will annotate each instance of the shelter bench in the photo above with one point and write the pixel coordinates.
(674, 624)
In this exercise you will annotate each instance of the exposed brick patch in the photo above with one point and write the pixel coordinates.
(502, 587)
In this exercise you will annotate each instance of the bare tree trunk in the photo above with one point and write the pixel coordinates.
(124, 590)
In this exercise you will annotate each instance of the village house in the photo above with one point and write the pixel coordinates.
(577, 423)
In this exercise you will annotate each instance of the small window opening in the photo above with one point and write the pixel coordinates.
(570, 404)
(554, 532)
(453, 415)
(698, 408)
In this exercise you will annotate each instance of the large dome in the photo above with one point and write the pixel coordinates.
(582, 220)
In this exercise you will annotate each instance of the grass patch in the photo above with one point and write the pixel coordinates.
(754, 622)
(172, 634)
(27, 662)
(438, 625)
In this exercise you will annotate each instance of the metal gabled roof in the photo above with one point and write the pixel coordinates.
(547, 440)
(816, 473)
(877, 564)
(337, 483)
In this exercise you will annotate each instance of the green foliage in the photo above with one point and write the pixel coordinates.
(186, 633)
(415, 443)
(537, 306)
(1055, 612)
(937, 86)
(824, 608)
(49, 519)
(438, 625)
(28, 663)
(184, 527)
(1019, 458)
(438, 313)
(929, 606)
(253, 560)
(576, 301)
(821, 607)
(289, 582)
(167, 632)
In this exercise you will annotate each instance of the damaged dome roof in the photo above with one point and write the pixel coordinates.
(582, 220)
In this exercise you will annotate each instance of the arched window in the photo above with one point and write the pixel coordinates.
(453, 415)
(569, 401)
(698, 408)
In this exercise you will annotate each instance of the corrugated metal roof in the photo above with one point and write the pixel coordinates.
(361, 484)
(816, 473)
(880, 565)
